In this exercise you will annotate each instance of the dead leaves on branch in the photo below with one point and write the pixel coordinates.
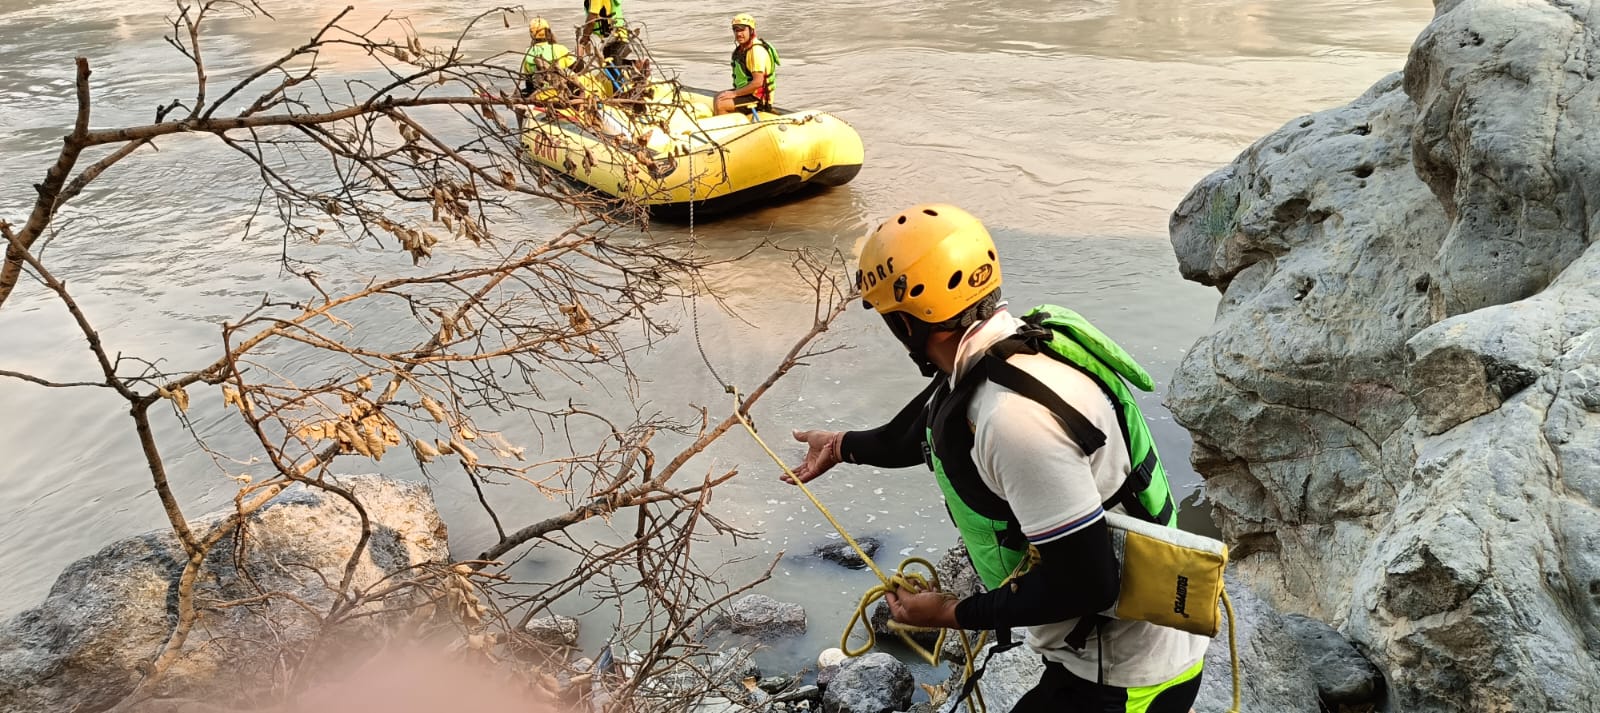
(176, 394)
(370, 435)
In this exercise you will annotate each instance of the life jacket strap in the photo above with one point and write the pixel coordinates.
(1127, 494)
(1001, 372)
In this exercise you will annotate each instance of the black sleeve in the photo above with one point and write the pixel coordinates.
(1076, 575)
(896, 444)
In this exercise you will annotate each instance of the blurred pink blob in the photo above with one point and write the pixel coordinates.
(419, 682)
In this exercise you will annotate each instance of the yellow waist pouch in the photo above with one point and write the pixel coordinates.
(1169, 577)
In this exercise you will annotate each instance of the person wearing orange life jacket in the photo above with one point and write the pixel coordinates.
(1032, 436)
(755, 67)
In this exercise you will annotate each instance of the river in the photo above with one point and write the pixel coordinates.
(1071, 128)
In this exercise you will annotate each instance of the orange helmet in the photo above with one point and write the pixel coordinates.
(930, 262)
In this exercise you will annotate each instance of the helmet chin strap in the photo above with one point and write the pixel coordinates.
(913, 334)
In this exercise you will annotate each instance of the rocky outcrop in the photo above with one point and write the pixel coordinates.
(1398, 409)
(109, 614)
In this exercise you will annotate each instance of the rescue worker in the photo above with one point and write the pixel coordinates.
(1015, 473)
(755, 66)
(544, 56)
(603, 24)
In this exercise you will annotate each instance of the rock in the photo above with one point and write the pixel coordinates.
(879, 621)
(825, 676)
(956, 574)
(872, 683)
(842, 553)
(1274, 675)
(1344, 677)
(802, 693)
(830, 658)
(734, 665)
(109, 613)
(553, 631)
(1397, 412)
(1006, 676)
(828, 664)
(777, 684)
(763, 617)
(704, 679)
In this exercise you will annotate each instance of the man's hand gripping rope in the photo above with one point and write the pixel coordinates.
(904, 590)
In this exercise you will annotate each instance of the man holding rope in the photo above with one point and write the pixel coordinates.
(1029, 452)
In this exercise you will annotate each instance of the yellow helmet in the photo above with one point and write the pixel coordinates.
(539, 26)
(930, 262)
(746, 19)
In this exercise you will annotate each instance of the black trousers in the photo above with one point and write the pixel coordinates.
(1061, 692)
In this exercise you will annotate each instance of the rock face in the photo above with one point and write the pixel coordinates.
(109, 613)
(873, 683)
(1398, 410)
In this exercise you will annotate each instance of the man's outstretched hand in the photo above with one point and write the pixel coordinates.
(822, 453)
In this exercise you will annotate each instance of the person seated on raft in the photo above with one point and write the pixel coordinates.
(544, 59)
(755, 65)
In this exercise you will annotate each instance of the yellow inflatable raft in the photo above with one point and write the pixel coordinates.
(662, 148)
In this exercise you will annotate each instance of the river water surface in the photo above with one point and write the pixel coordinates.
(1072, 128)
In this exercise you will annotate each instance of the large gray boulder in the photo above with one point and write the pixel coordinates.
(1398, 409)
(873, 683)
(108, 614)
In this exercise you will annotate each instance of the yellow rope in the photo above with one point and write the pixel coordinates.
(1233, 651)
(901, 580)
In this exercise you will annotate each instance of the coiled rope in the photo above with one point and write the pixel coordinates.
(901, 580)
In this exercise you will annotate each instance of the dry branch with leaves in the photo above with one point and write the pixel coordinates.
(419, 152)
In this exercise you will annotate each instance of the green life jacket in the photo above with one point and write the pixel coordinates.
(742, 74)
(609, 17)
(989, 529)
(551, 52)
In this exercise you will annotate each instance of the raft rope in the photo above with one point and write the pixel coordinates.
(902, 579)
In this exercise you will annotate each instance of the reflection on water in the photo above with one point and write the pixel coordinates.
(1071, 128)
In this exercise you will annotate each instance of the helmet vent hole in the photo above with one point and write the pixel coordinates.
(991, 254)
(955, 279)
(902, 220)
(931, 212)
(916, 291)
